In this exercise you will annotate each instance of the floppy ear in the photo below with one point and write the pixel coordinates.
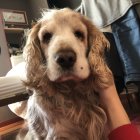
(33, 57)
(97, 45)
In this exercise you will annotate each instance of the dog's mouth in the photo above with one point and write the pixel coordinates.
(69, 77)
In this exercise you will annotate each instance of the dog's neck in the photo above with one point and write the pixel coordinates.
(67, 88)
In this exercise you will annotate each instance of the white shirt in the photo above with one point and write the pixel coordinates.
(105, 12)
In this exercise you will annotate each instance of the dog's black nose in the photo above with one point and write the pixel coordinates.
(65, 58)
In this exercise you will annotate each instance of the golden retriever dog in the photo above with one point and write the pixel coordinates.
(65, 68)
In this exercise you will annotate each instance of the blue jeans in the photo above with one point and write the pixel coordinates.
(126, 32)
(113, 60)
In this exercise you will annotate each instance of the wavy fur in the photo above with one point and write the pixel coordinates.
(68, 110)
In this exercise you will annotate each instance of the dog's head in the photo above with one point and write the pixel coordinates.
(64, 45)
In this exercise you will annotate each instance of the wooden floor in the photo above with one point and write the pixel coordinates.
(10, 131)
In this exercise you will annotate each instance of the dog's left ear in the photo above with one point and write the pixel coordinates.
(97, 43)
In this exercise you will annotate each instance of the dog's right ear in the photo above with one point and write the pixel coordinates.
(31, 49)
(33, 55)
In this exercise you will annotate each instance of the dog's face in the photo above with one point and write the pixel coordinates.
(63, 39)
(68, 46)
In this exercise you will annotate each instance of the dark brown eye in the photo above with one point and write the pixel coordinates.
(47, 37)
(79, 35)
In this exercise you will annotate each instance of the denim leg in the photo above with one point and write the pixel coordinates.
(113, 60)
(126, 32)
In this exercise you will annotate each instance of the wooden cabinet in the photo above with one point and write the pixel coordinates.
(5, 63)
(5, 66)
(13, 30)
(15, 37)
(12, 35)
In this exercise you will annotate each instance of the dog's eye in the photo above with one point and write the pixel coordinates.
(79, 35)
(47, 37)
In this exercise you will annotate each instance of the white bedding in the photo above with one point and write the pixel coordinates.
(12, 83)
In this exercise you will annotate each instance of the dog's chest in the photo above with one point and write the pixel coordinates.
(60, 110)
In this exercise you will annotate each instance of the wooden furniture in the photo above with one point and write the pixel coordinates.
(5, 66)
(5, 63)
(10, 131)
(13, 30)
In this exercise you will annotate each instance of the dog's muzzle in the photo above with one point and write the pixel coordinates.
(65, 59)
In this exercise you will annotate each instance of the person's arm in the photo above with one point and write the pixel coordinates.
(118, 121)
(115, 112)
